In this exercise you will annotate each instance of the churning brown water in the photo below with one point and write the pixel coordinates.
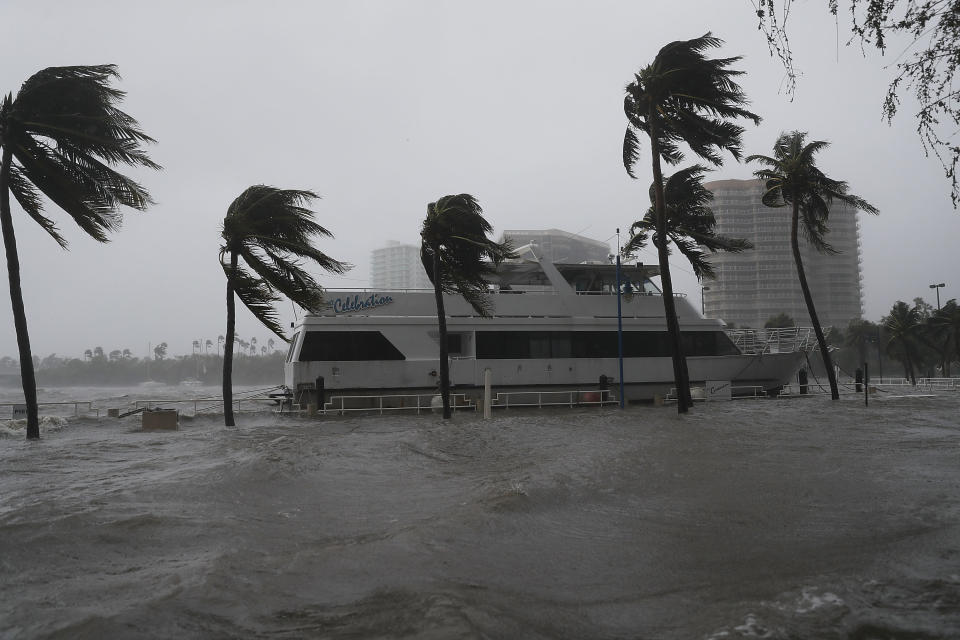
(750, 519)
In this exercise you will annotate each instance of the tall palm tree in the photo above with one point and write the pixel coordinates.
(690, 223)
(682, 97)
(457, 254)
(61, 137)
(793, 179)
(271, 231)
(902, 327)
(945, 324)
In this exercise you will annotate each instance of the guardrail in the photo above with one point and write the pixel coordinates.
(540, 399)
(76, 406)
(400, 402)
(212, 404)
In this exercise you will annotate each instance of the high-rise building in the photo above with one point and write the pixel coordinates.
(762, 282)
(560, 246)
(398, 266)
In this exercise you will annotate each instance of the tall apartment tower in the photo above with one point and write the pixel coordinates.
(762, 282)
(398, 266)
(560, 246)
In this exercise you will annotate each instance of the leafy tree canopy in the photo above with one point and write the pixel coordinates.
(926, 67)
(779, 321)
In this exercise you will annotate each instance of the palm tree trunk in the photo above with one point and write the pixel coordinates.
(808, 299)
(680, 375)
(228, 347)
(910, 370)
(442, 325)
(27, 377)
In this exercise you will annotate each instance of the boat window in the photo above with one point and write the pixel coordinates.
(454, 344)
(293, 344)
(596, 344)
(347, 345)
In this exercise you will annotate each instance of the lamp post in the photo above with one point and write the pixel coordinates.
(619, 322)
(937, 287)
(703, 308)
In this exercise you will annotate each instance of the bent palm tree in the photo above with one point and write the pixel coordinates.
(61, 137)
(793, 179)
(270, 230)
(682, 97)
(902, 326)
(456, 254)
(690, 223)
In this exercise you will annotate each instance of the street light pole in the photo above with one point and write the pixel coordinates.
(937, 287)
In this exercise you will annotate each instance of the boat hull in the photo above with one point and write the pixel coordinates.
(644, 378)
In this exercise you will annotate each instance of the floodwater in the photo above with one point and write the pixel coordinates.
(776, 519)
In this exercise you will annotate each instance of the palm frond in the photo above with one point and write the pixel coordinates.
(694, 99)
(792, 173)
(256, 297)
(65, 132)
(454, 233)
(272, 231)
(631, 151)
(29, 199)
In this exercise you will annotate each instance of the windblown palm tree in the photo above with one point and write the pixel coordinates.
(902, 327)
(858, 335)
(61, 137)
(945, 325)
(682, 97)
(457, 254)
(690, 222)
(270, 230)
(793, 179)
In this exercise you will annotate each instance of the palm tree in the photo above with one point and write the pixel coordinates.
(219, 342)
(160, 351)
(271, 231)
(690, 223)
(902, 327)
(682, 97)
(858, 335)
(61, 137)
(945, 324)
(457, 254)
(793, 179)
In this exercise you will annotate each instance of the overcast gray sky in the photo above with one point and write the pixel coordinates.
(383, 106)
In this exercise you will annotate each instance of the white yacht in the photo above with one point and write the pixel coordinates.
(552, 326)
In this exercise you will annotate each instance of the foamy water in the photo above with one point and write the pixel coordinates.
(752, 519)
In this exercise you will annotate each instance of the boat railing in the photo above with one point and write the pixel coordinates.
(418, 402)
(784, 340)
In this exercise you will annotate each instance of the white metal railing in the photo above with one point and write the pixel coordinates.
(570, 398)
(75, 404)
(400, 402)
(785, 340)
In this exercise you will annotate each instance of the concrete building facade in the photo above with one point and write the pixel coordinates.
(762, 282)
(398, 266)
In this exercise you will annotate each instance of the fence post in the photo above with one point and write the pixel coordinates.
(866, 384)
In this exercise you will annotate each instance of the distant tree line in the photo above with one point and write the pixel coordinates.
(912, 341)
(119, 368)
